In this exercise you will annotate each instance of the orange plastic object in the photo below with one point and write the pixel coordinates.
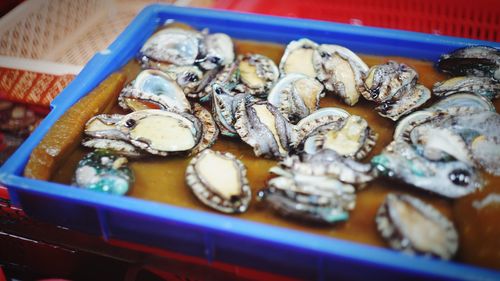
(31, 87)
(477, 19)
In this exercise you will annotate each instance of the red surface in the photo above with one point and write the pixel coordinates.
(7, 209)
(220, 271)
(2, 276)
(478, 19)
(4, 193)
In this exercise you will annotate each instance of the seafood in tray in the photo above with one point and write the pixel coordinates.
(195, 90)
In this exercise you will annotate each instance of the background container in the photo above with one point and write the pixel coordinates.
(479, 19)
(214, 237)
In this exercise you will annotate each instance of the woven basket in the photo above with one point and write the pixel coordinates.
(65, 31)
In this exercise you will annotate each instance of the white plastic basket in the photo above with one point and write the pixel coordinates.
(67, 31)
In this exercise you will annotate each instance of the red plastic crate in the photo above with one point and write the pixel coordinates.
(478, 19)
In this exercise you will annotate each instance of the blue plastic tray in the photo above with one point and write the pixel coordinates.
(216, 237)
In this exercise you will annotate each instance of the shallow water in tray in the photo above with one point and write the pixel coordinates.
(162, 180)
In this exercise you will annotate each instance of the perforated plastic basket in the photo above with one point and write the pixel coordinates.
(210, 236)
(477, 19)
(65, 31)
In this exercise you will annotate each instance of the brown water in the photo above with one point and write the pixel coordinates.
(162, 180)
